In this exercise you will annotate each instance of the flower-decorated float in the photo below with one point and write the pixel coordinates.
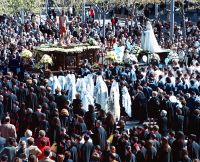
(69, 57)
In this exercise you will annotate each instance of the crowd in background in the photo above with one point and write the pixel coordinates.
(38, 125)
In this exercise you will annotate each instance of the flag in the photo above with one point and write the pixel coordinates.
(119, 51)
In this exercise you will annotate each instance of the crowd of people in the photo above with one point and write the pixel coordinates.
(46, 120)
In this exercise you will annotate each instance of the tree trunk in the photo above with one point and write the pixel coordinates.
(104, 24)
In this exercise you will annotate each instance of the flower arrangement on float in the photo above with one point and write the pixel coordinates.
(26, 54)
(173, 56)
(136, 50)
(111, 56)
(129, 58)
(155, 56)
(46, 59)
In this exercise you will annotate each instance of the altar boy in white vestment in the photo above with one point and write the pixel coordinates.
(126, 101)
(101, 93)
(113, 101)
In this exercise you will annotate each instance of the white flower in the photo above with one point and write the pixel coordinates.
(26, 54)
(46, 59)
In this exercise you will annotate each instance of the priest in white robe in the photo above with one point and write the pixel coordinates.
(113, 101)
(101, 93)
(71, 87)
(84, 89)
(56, 84)
(61, 80)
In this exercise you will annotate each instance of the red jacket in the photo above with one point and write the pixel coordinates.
(38, 141)
(91, 12)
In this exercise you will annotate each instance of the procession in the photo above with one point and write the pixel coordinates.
(82, 88)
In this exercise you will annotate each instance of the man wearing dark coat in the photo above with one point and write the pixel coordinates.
(32, 99)
(147, 91)
(74, 152)
(177, 147)
(122, 147)
(90, 117)
(151, 152)
(140, 103)
(186, 114)
(12, 98)
(195, 123)
(130, 157)
(86, 150)
(1, 107)
(163, 123)
(62, 100)
(154, 105)
(76, 104)
(100, 136)
(193, 147)
(179, 120)
(21, 94)
(36, 117)
(141, 154)
(78, 146)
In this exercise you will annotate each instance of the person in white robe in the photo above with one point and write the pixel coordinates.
(61, 80)
(71, 87)
(101, 93)
(51, 84)
(84, 89)
(113, 101)
(73, 81)
(90, 83)
(67, 82)
(56, 84)
(78, 85)
(126, 101)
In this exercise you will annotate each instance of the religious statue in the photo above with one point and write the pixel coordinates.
(62, 24)
(149, 42)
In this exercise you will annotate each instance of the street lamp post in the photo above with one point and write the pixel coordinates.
(83, 7)
(183, 17)
(172, 20)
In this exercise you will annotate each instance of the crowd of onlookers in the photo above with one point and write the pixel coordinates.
(38, 125)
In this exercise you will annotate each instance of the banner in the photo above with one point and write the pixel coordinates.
(119, 51)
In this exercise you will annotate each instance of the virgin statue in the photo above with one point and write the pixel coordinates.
(149, 42)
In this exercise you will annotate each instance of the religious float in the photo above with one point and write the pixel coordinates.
(68, 57)
(148, 52)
